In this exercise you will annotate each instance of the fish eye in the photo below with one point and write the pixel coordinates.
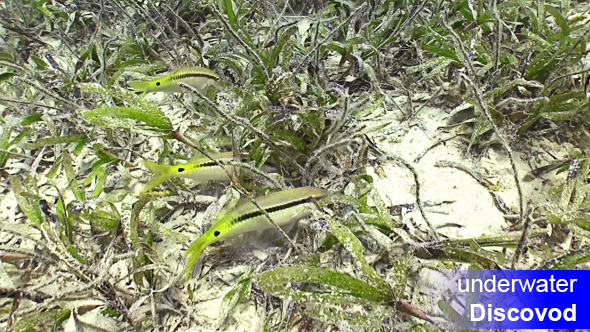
(158, 83)
(180, 170)
(216, 233)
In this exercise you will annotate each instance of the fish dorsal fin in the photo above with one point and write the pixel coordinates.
(202, 71)
(221, 157)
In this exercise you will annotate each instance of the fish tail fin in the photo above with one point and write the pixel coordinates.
(194, 252)
(139, 86)
(162, 171)
(156, 168)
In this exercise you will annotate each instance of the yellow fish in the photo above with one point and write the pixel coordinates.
(200, 170)
(284, 207)
(198, 77)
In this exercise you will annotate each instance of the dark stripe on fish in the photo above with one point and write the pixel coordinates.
(208, 164)
(271, 210)
(178, 77)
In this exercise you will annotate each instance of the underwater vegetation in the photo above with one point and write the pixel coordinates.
(137, 135)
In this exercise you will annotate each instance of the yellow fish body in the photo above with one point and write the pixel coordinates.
(198, 77)
(284, 207)
(200, 170)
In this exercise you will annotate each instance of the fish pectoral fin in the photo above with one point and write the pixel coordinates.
(269, 236)
(289, 227)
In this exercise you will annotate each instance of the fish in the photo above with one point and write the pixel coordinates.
(284, 207)
(199, 78)
(200, 170)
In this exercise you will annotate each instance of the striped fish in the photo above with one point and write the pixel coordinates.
(200, 170)
(284, 207)
(198, 77)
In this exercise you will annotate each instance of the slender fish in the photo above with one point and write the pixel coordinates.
(200, 170)
(284, 207)
(198, 77)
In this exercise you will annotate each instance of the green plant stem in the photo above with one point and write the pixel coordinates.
(353, 14)
(239, 121)
(248, 48)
